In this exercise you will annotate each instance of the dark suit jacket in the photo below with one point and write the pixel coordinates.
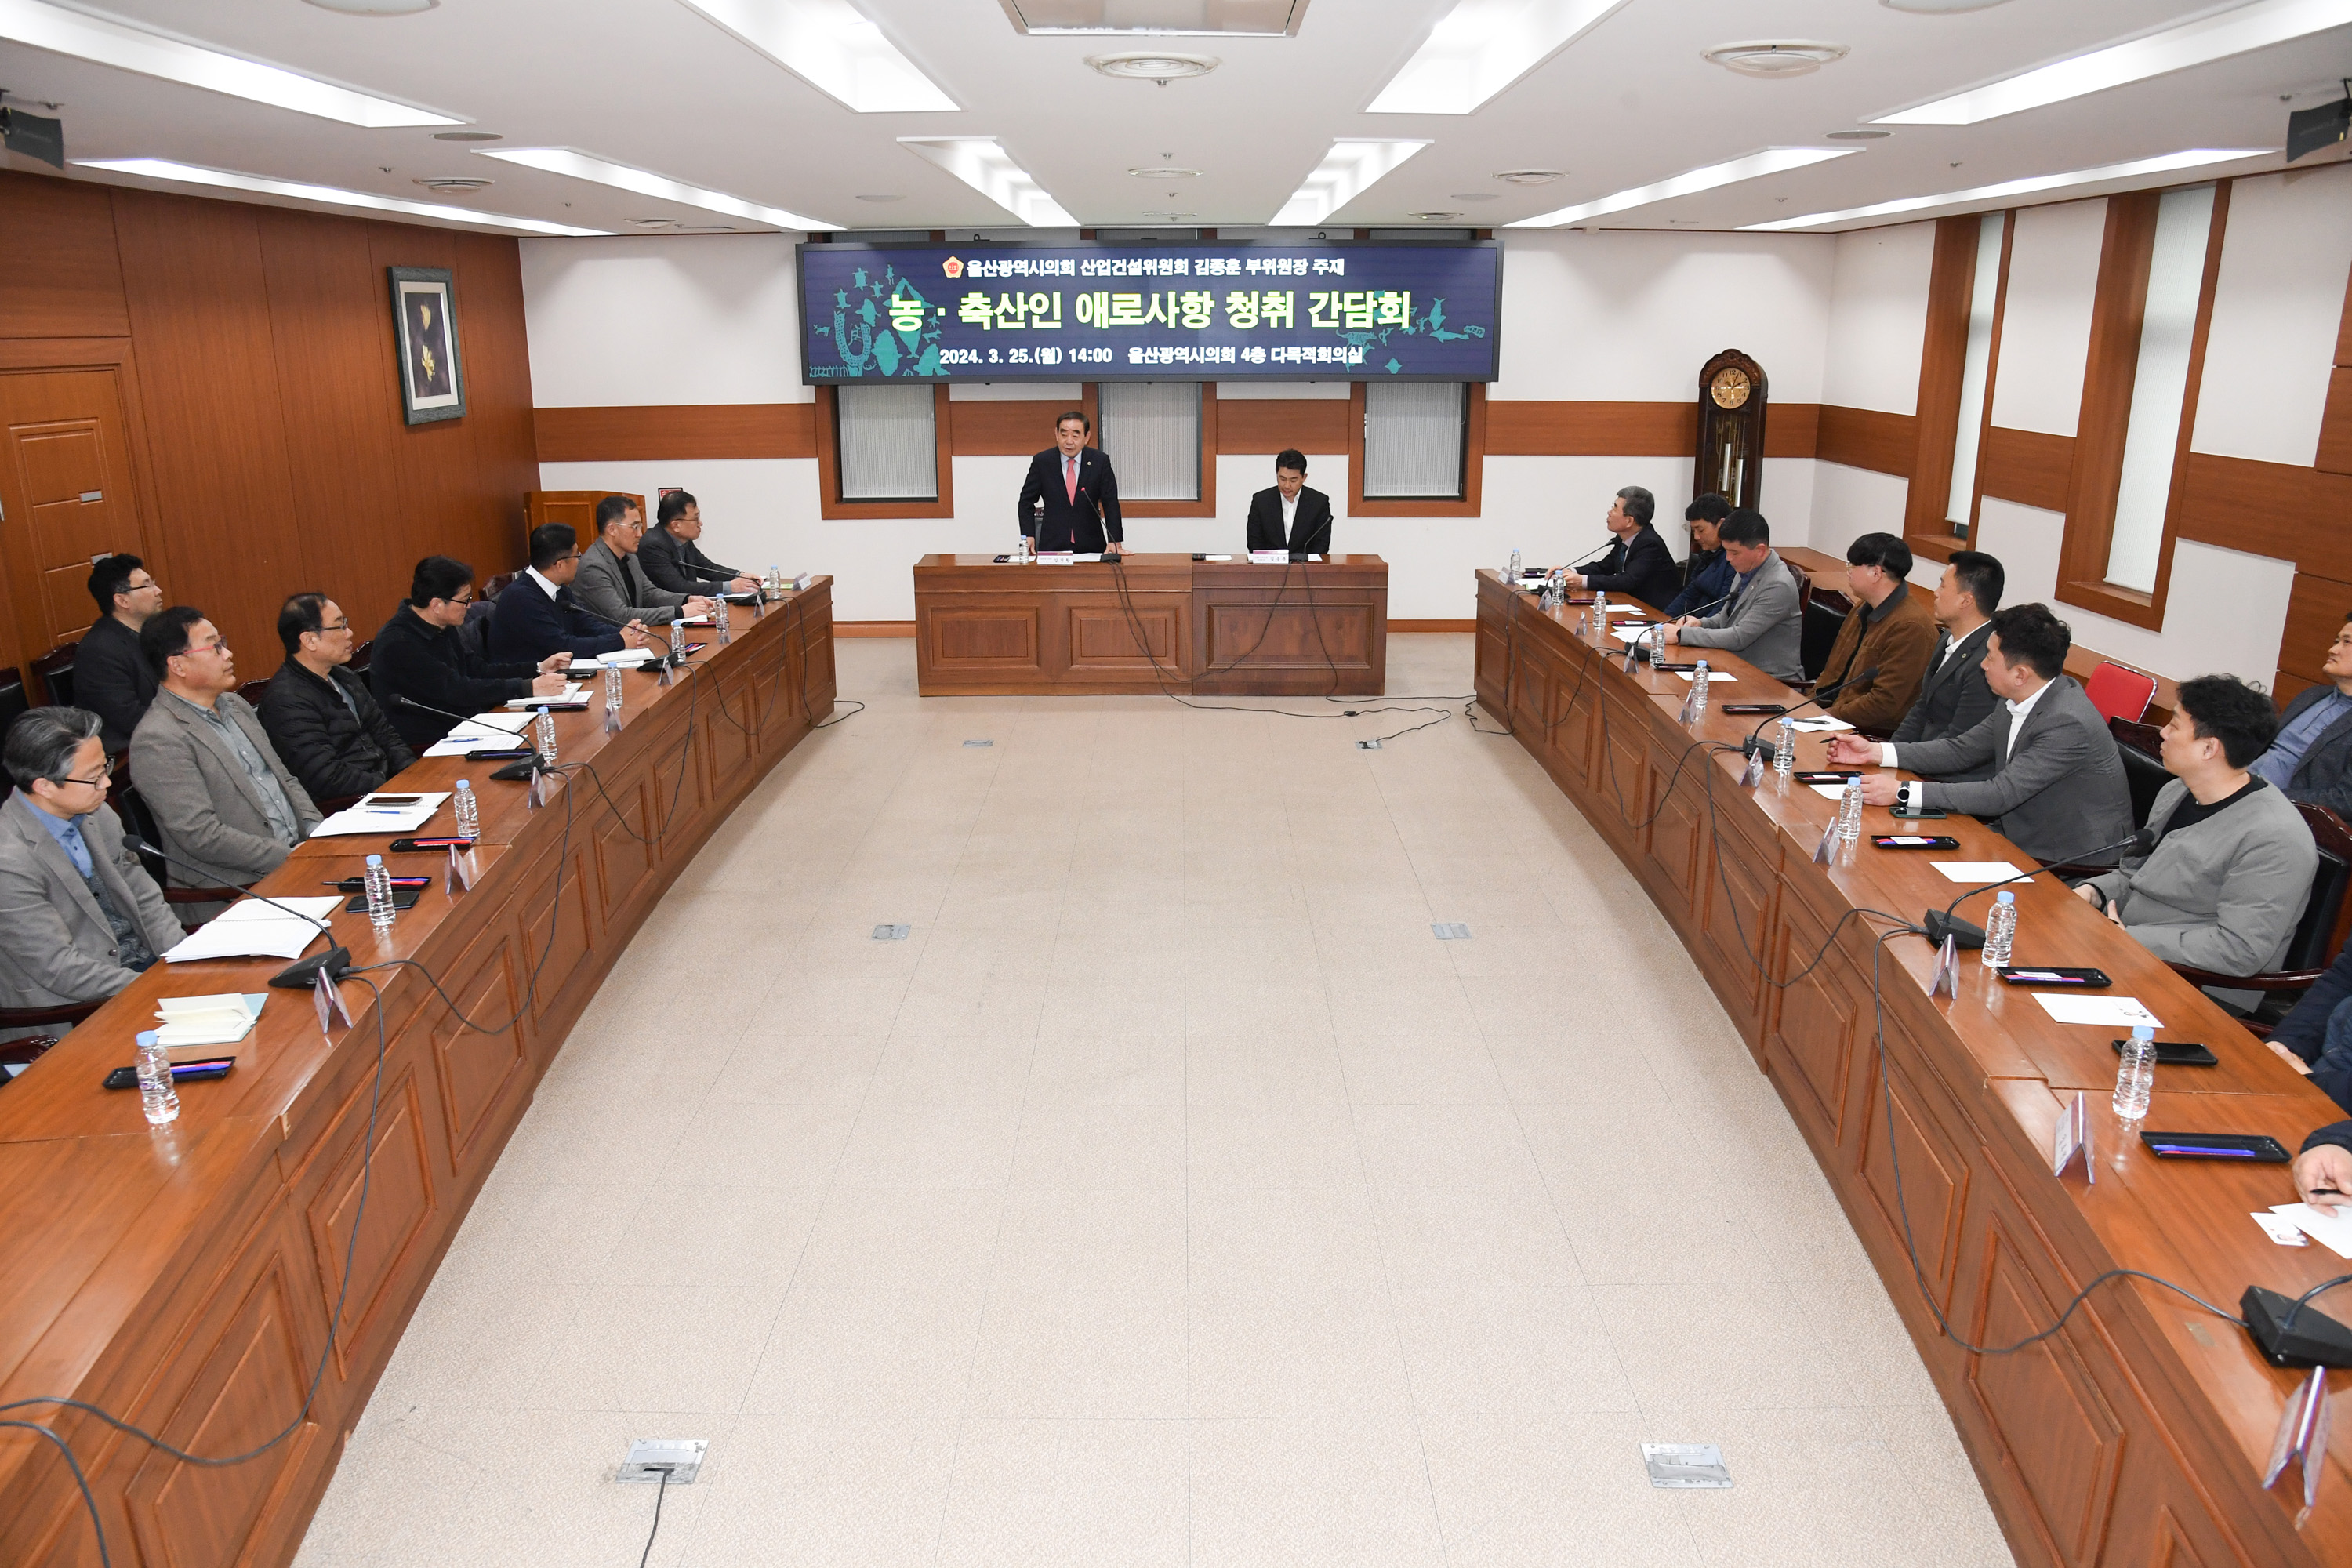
(436, 665)
(1084, 526)
(332, 749)
(2323, 777)
(111, 679)
(671, 563)
(1310, 530)
(526, 625)
(2057, 795)
(1708, 578)
(1644, 568)
(1953, 697)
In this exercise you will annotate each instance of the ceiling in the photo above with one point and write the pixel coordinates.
(655, 84)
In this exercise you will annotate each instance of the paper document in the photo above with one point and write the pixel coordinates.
(1823, 725)
(1977, 871)
(1712, 675)
(370, 813)
(1629, 634)
(2110, 1012)
(2331, 1228)
(251, 928)
(221, 1020)
(574, 691)
(1828, 791)
(625, 657)
(1218, 558)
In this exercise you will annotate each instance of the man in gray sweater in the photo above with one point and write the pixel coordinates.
(1762, 623)
(2225, 884)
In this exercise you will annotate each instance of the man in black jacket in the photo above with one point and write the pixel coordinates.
(1954, 696)
(1291, 516)
(328, 730)
(1070, 499)
(112, 677)
(2312, 758)
(1639, 563)
(423, 655)
(670, 558)
(535, 614)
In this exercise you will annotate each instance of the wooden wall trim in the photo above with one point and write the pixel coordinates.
(1253, 427)
(1538, 429)
(658, 432)
(2119, 311)
(2269, 509)
(2026, 466)
(1943, 364)
(1867, 438)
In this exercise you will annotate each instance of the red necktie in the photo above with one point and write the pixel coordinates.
(1070, 478)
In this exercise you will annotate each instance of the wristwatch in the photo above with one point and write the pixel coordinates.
(1911, 794)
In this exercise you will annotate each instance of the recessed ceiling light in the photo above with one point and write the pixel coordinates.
(224, 179)
(982, 163)
(1856, 135)
(2196, 157)
(107, 43)
(582, 165)
(2197, 43)
(881, 197)
(833, 47)
(1775, 57)
(1163, 172)
(1350, 169)
(1754, 165)
(1474, 195)
(376, 7)
(453, 184)
(1154, 66)
(1256, 18)
(1531, 176)
(468, 136)
(1432, 217)
(1169, 217)
(1939, 7)
(1482, 46)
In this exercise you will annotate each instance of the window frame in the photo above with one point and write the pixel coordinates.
(1474, 459)
(831, 505)
(1206, 506)
(1943, 371)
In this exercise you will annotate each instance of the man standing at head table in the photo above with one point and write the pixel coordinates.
(1070, 500)
(1290, 515)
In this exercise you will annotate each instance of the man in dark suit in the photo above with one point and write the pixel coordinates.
(2056, 789)
(110, 675)
(1639, 563)
(672, 560)
(1070, 500)
(1290, 515)
(2312, 758)
(328, 730)
(535, 614)
(1953, 697)
(422, 654)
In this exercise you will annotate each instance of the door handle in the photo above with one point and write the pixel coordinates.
(90, 496)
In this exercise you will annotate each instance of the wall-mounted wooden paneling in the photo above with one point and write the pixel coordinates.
(1792, 430)
(1943, 355)
(1866, 438)
(1540, 429)
(2314, 613)
(2302, 515)
(1251, 426)
(259, 363)
(2336, 423)
(1017, 428)
(2027, 467)
(659, 432)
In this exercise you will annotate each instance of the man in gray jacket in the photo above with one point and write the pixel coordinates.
(2311, 756)
(2057, 788)
(79, 917)
(222, 799)
(1763, 622)
(2225, 884)
(611, 585)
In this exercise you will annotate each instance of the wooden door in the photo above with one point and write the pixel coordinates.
(67, 492)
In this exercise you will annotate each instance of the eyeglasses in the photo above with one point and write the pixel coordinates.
(218, 645)
(326, 627)
(99, 782)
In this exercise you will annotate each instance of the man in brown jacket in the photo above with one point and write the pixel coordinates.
(1890, 631)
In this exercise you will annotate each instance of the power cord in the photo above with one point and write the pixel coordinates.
(662, 1492)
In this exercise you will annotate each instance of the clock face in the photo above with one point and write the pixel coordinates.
(1729, 388)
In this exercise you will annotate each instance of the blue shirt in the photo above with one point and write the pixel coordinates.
(67, 831)
(2286, 755)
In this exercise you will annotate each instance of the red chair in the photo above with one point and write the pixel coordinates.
(2119, 691)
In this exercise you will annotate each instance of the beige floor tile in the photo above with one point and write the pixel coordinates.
(905, 1352)
(1081, 1355)
(1097, 1238)
(1508, 1351)
(1124, 1146)
(884, 1239)
(1319, 1238)
(1281, 1350)
(682, 1349)
(745, 1240)
(812, 1492)
(1109, 1069)
(923, 1067)
(1084, 1493)
(1294, 1144)
(929, 1146)
(1250, 1070)
(1547, 1491)
(724, 1145)
(1726, 1347)
(1351, 1489)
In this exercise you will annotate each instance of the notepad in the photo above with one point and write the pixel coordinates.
(367, 816)
(251, 928)
(190, 1023)
(1821, 725)
(2108, 1011)
(572, 692)
(1976, 870)
(2332, 1228)
(1712, 675)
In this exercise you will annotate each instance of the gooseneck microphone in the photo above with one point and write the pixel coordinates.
(1942, 924)
(1753, 744)
(299, 976)
(670, 655)
(521, 768)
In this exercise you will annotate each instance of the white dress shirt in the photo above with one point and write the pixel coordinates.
(1290, 514)
(550, 589)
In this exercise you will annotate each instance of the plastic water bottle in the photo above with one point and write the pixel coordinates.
(157, 1098)
(468, 811)
(612, 689)
(543, 733)
(2000, 930)
(1700, 682)
(1514, 568)
(775, 586)
(720, 629)
(2136, 1074)
(1600, 613)
(1849, 816)
(1784, 750)
(1657, 645)
(378, 895)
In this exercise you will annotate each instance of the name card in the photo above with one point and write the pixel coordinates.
(1269, 557)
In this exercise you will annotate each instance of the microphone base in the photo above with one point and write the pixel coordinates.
(304, 973)
(1962, 933)
(1753, 744)
(518, 770)
(2316, 1340)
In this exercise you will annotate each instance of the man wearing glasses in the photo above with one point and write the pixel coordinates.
(224, 803)
(320, 716)
(79, 917)
(426, 653)
(538, 612)
(611, 584)
(110, 678)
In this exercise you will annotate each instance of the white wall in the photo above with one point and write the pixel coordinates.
(623, 322)
(1878, 317)
(2276, 304)
(2046, 328)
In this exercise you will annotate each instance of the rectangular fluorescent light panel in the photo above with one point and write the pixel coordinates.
(1191, 19)
(1482, 46)
(191, 175)
(984, 166)
(834, 49)
(2197, 43)
(2195, 157)
(106, 43)
(1754, 165)
(1348, 170)
(585, 166)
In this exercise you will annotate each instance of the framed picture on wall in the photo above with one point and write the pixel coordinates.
(424, 325)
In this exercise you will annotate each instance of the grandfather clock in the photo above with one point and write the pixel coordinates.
(1730, 429)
